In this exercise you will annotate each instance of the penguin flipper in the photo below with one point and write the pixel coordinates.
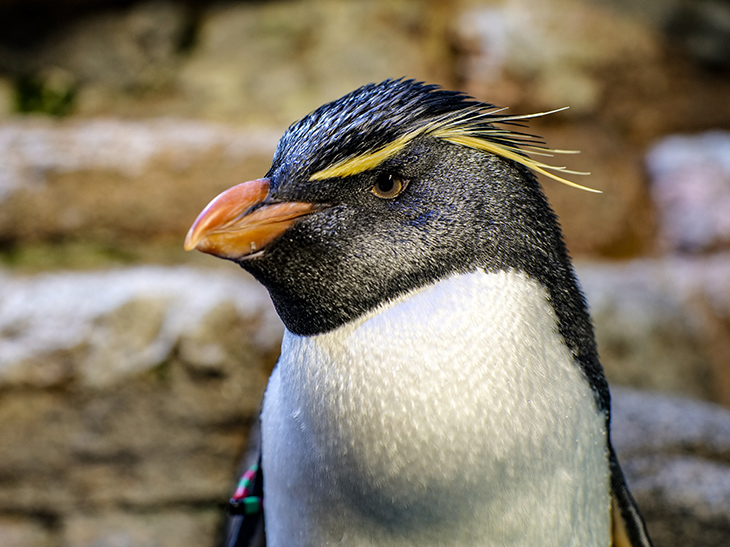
(628, 528)
(243, 531)
(245, 524)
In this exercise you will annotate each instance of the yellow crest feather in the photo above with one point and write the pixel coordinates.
(472, 128)
(364, 162)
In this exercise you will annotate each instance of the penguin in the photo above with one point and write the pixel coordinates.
(439, 383)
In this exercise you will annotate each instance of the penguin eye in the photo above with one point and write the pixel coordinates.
(388, 185)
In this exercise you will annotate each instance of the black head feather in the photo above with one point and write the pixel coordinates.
(364, 120)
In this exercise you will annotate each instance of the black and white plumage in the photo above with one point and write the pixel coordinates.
(439, 382)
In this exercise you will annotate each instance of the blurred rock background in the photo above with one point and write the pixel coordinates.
(130, 372)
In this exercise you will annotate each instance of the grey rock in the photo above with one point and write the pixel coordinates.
(659, 323)
(657, 12)
(560, 55)
(163, 529)
(114, 183)
(690, 185)
(98, 329)
(651, 423)
(276, 61)
(644, 335)
(702, 27)
(676, 456)
(24, 532)
(126, 400)
(32, 149)
(132, 51)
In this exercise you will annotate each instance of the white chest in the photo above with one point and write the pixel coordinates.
(455, 416)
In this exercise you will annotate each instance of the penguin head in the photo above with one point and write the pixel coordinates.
(388, 189)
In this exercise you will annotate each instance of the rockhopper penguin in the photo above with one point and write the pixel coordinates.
(438, 381)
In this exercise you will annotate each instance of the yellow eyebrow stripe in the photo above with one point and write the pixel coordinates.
(496, 149)
(461, 131)
(364, 162)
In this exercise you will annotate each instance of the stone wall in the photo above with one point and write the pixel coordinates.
(131, 371)
(125, 400)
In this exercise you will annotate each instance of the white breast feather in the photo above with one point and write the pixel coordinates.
(454, 416)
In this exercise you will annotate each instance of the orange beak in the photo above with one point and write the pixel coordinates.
(229, 228)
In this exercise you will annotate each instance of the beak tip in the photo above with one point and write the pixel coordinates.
(225, 207)
(191, 239)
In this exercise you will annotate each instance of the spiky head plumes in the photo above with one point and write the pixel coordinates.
(375, 122)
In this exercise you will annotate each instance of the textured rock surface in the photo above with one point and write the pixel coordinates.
(125, 398)
(119, 51)
(287, 58)
(31, 149)
(662, 324)
(568, 45)
(117, 183)
(24, 532)
(702, 28)
(690, 184)
(676, 455)
(102, 329)
(167, 529)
